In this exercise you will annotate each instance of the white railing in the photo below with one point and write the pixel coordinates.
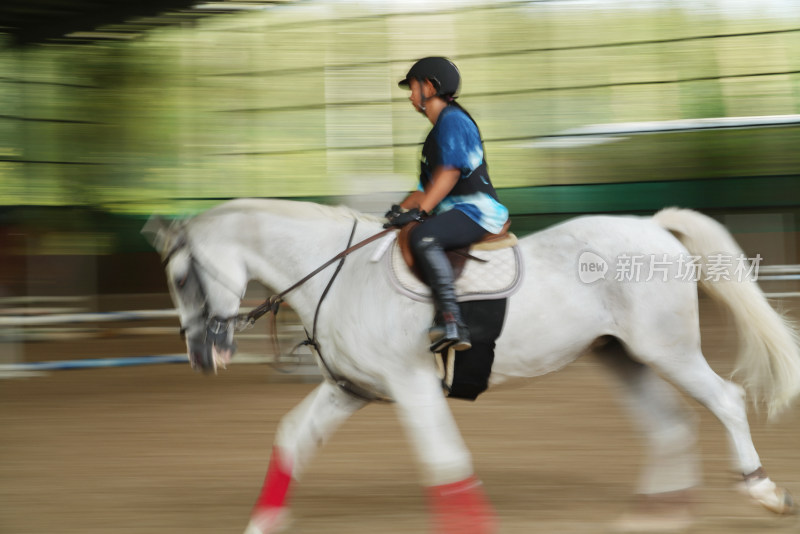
(49, 323)
(778, 273)
(102, 317)
(44, 322)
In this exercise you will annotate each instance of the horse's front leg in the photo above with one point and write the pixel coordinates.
(300, 434)
(458, 502)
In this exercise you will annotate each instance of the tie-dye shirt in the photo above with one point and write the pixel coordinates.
(455, 142)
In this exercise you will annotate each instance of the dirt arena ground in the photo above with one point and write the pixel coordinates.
(162, 450)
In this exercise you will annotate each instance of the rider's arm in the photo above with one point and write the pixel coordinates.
(412, 200)
(443, 181)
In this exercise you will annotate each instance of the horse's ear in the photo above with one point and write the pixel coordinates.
(156, 231)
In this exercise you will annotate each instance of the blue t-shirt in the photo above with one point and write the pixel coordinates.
(455, 142)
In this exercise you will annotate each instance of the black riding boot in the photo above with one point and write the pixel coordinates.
(451, 330)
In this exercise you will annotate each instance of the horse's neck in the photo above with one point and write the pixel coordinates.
(282, 251)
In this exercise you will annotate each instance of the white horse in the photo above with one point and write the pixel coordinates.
(372, 339)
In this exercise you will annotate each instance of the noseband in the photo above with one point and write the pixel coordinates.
(216, 327)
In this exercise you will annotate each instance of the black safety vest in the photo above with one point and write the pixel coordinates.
(476, 181)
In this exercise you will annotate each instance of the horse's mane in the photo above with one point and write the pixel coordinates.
(286, 208)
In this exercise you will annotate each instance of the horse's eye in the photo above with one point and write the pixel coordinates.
(180, 282)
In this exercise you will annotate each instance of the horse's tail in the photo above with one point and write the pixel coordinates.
(769, 345)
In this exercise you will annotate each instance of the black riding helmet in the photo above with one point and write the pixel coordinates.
(441, 72)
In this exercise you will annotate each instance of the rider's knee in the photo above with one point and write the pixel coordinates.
(421, 242)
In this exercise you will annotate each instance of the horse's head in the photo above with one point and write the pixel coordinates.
(205, 299)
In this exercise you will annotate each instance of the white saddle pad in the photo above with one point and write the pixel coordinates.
(499, 277)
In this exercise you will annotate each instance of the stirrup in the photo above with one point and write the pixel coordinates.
(449, 335)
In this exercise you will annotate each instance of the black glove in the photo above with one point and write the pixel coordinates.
(400, 219)
(394, 211)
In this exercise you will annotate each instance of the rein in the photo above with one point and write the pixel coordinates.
(273, 303)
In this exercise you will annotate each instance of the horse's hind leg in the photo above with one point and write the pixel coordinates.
(683, 364)
(667, 424)
(458, 502)
(672, 465)
(300, 434)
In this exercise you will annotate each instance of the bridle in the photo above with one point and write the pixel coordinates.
(217, 327)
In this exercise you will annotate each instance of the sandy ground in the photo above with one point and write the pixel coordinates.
(160, 449)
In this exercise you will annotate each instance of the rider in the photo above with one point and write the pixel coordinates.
(454, 186)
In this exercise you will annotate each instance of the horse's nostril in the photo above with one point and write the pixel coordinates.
(200, 356)
(196, 357)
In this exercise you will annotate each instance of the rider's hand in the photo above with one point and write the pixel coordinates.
(394, 211)
(402, 218)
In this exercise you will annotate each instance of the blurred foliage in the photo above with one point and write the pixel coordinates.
(302, 100)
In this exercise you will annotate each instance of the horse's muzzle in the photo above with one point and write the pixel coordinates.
(206, 353)
(200, 353)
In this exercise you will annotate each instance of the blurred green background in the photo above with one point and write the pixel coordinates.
(301, 101)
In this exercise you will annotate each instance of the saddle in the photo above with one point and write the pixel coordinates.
(486, 273)
(458, 257)
(490, 269)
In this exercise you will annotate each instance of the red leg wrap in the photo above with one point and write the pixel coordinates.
(462, 508)
(276, 484)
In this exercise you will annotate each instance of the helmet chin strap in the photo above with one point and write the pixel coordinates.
(424, 98)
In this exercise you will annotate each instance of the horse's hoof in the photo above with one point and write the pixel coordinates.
(268, 521)
(775, 499)
(653, 524)
(659, 513)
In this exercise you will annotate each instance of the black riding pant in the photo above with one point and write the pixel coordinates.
(429, 240)
(451, 229)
